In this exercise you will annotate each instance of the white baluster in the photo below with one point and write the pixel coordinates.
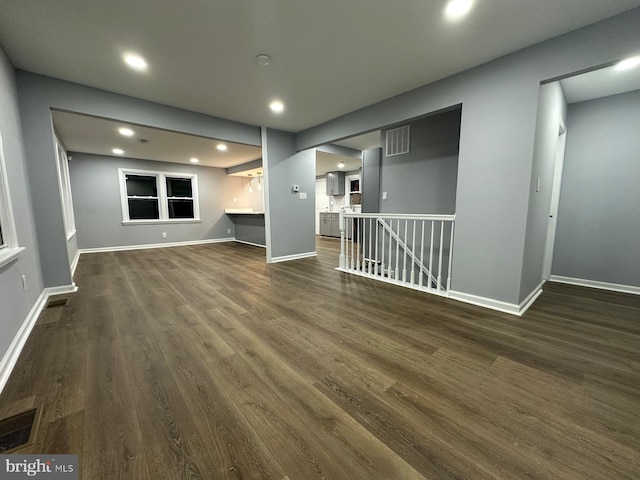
(341, 260)
(375, 266)
(382, 247)
(421, 279)
(353, 239)
(450, 259)
(431, 259)
(390, 243)
(397, 250)
(440, 256)
(404, 250)
(413, 255)
(369, 253)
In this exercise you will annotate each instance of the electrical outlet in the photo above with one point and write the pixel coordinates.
(164, 234)
(228, 230)
(24, 283)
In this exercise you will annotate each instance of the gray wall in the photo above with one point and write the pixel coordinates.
(250, 228)
(290, 221)
(37, 95)
(552, 107)
(15, 304)
(370, 185)
(598, 234)
(96, 196)
(499, 113)
(424, 180)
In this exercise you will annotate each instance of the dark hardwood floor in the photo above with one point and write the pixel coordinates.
(203, 362)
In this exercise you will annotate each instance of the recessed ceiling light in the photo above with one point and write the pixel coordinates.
(195, 160)
(628, 63)
(136, 62)
(118, 151)
(456, 9)
(127, 132)
(276, 106)
(341, 165)
(221, 147)
(263, 59)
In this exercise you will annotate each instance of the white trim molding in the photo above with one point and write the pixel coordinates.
(250, 243)
(74, 263)
(288, 258)
(12, 354)
(155, 245)
(500, 306)
(614, 287)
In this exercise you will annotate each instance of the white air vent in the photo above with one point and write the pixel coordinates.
(397, 141)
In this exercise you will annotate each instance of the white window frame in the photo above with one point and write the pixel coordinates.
(64, 183)
(163, 199)
(9, 249)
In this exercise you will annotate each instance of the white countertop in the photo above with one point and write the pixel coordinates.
(243, 211)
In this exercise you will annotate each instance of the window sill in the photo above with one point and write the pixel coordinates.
(9, 255)
(160, 222)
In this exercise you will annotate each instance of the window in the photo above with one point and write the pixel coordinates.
(9, 248)
(158, 197)
(64, 182)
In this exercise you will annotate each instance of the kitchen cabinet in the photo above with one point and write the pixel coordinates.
(335, 183)
(330, 224)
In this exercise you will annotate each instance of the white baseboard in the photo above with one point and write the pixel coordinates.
(614, 287)
(510, 308)
(17, 344)
(287, 258)
(155, 245)
(250, 243)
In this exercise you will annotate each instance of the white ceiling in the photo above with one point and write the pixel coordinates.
(328, 162)
(362, 142)
(600, 83)
(82, 133)
(329, 57)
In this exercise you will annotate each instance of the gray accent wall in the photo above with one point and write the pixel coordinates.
(38, 95)
(552, 107)
(96, 195)
(15, 303)
(424, 180)
(499, 111)
(291, 224)
(370, 185)
(598, 233)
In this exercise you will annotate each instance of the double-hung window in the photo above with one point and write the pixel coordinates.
(9, 248)
(158, 197)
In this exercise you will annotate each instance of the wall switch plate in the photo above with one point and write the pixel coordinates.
(24, 283)
(538, 185)
(384, 195)
(164, 234)
(303, 195)
(228, 230)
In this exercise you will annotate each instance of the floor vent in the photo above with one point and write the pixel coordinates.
(58, 302)
(18, 431)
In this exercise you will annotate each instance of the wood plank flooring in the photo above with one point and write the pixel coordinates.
(203, 362)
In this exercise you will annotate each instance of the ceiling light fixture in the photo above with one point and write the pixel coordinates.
(276, 106)
(456, 9)
(195, 160)
(136, 62)
(127, 132)
(628, 63)
(221, 147)
(341, 165)
(118, 151)
(263, 59)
